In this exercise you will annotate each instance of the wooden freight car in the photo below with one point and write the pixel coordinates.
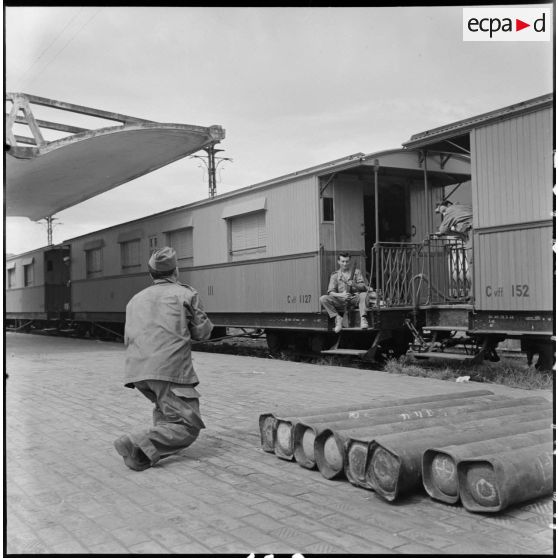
(511, 153)
(261, 256)
(37, 288)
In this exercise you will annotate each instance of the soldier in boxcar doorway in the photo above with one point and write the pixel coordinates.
(347, 289)
(161, 320)
(457, 221)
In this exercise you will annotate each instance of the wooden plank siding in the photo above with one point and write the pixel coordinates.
(513, 269)
(25, 300)
(282, 285)
(421, 224)
(21, 298)
(512, 170)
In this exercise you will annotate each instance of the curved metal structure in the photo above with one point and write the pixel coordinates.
(44, 177)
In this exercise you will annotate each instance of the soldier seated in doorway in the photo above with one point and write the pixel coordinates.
(346, 290)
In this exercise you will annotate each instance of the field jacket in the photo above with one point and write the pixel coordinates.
(161, 320)
(338, 283)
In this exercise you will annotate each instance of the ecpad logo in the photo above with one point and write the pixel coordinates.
(507, 24)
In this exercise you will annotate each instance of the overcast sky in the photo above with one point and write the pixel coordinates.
(293, 87)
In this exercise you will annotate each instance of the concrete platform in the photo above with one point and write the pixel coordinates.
(68, 491)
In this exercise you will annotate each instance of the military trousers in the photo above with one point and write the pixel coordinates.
(335, 306)
(176, 419)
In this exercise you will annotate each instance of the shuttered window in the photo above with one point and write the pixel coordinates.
(182, 241)
(94, 262)
(130, 253)
(11, 278)
(248, 236)
(28, 275)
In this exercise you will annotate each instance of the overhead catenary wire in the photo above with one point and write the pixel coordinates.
(65, 45)
(24, 74)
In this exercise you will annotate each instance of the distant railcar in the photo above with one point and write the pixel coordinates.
(38, 287)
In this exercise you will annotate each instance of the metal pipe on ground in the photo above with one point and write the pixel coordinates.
(493, 482)
(331, 444)
(283, 427)
(393, 465)
(268, 421)
(439, 465)
(306, 431)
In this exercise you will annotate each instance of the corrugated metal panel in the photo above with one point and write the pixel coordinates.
(512, 170)
(513, 270)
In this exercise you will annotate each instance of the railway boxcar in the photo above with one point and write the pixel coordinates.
(261, 256)
(511, 153)
(37, 287)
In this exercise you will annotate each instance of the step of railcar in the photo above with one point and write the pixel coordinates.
(445, 328)
(451, 356)
(355, 352)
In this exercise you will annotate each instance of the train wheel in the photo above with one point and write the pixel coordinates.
(319, 342)
(276, 341)
(397, 345)
(545, 351)
(547, 357)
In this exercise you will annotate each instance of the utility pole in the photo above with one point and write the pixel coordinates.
(211, 166)
(49, 221)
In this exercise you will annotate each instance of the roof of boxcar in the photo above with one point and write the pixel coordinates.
(388, 159)
(463, 127)
(44, 177)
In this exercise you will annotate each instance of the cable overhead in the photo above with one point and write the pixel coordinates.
(24, 75)
(65, 45)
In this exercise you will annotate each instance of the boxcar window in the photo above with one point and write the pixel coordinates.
(130, 253)
(28, 275)
(93, 262)
(327, 209)
(247, 236)
(182, 241)
(152, 244)
(11, 278)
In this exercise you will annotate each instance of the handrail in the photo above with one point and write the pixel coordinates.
(435, 271)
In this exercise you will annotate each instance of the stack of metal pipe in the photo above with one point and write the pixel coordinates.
(487, 451)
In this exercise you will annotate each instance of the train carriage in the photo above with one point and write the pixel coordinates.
(511, 153)
(261, 256)
(38, 287)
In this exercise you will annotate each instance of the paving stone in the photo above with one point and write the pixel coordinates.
(149, 547)
(70, 547)
(323, 548)
(191, 548)
(416, 548)
(261, 521)
(423, 536)
(274, 510)
(378, 536)
(253, 536)
(129, 536)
